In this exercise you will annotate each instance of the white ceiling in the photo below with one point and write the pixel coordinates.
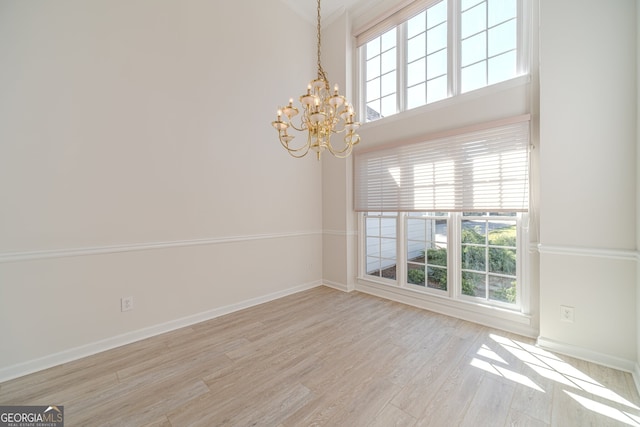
(330, 9)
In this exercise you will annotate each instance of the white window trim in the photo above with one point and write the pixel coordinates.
(486, 91)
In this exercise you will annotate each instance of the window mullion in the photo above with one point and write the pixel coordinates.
(523, 36)
(455, 254)
(522, 272)
(401, 258)
(361, 55)
(487, 269)
(401, 58)
(362, 244)
(453, 45)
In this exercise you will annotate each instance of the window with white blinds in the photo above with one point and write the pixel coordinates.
(481, 170)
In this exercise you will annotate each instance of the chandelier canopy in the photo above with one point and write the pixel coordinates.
(324, 113)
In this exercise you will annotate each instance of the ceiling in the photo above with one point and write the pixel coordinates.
(330, 9)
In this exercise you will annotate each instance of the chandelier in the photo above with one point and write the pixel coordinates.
(324, 114)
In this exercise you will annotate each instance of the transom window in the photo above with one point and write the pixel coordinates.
(427, 56)
(440, 49)
(381, 76)
(488, 41)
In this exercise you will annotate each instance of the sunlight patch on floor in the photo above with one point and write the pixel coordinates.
(506, 373)
(603, 409)
(547, 365)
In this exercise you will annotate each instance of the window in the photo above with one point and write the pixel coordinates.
(381, 76)
(427, 255)
(488, 248)
(426, 61)
(488, 42)
(448, 216)
(472, 256)
(436, 50)
(381, 244)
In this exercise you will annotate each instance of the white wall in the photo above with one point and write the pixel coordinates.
(637, 309)
(133, 124)
(339, 239)
(588, 178)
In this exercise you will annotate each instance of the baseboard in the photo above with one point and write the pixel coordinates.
(336, 285)
(636, 376)
(76, 353)
(591, 356)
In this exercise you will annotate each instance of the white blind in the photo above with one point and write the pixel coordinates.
(484, 170)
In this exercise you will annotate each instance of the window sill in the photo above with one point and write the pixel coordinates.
(483, 92)
(495, 317)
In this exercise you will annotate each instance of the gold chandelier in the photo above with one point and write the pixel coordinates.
(324, 114)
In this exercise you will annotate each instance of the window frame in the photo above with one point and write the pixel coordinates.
(429, 216)
(454, 52)
(364, 264)
(454, 262)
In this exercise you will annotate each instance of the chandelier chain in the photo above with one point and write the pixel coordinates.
(321, 73)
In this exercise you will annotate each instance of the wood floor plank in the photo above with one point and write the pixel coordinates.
(449, 405)
(160, 422)
(363, 402)
(490, 404)
(520, 419)
(273, 410)
(392, 416)
(327, 358)
(430, 377)
(68, 375)
(316, 412)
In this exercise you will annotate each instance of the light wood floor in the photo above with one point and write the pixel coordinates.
(327, 358)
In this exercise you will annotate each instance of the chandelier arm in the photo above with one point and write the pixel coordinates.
(338, 131)
(289, 149)
(342, 154)
(302, 127)
(299, 156)
(348, 145)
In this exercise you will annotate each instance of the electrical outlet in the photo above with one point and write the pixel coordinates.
(126, 303)
(566, 314)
